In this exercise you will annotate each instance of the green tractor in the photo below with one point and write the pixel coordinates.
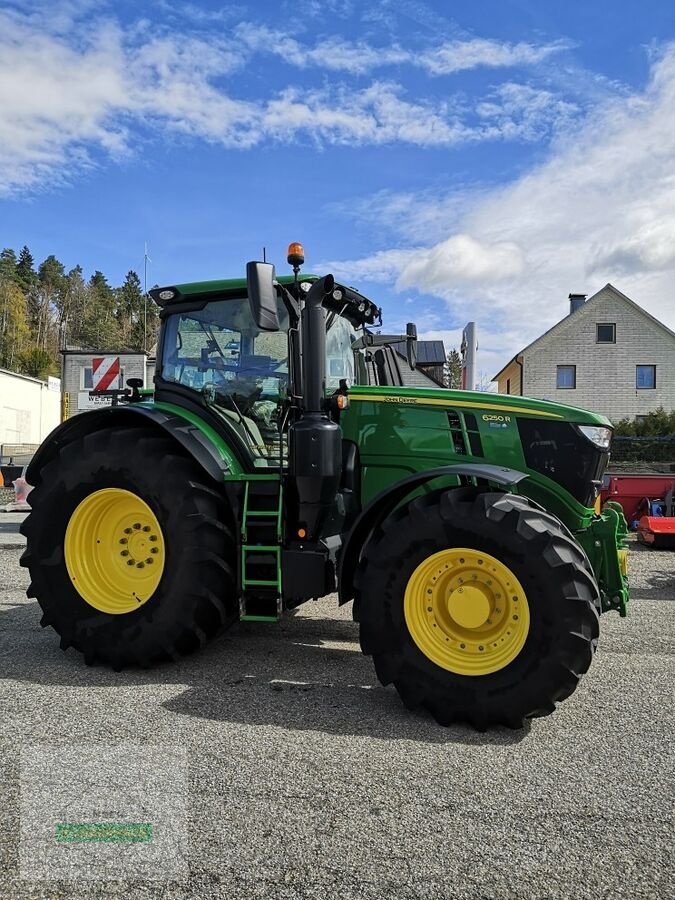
(279, 459)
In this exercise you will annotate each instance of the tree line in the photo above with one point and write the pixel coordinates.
(44, 309)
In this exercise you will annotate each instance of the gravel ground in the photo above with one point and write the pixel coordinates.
(308, 779)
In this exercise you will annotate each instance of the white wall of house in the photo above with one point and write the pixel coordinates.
(605, 372)
(29, 408)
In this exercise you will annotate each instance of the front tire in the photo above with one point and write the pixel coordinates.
(129, 549)
(478, 607)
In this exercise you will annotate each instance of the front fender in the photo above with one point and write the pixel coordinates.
(213, 457)
(385, 503)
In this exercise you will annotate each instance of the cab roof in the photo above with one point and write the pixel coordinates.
(194, 289)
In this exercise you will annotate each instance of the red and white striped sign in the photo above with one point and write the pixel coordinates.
(105, 373)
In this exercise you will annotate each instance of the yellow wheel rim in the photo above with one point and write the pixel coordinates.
(466, 611)
(114, 551)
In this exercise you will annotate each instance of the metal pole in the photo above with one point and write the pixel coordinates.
(145, 297)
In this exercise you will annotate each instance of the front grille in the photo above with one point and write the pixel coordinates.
(560, 452)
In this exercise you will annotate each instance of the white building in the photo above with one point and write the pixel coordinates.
(608, 354)
(29, 410)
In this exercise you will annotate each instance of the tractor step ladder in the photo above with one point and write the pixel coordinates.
(261, 551)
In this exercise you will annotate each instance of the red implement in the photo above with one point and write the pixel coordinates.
(630, 490)
(657, 531)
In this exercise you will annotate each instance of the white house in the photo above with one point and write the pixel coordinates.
(29, 410)
(608, 354)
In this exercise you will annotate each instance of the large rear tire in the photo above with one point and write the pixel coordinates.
(479, 607)
(130, 549)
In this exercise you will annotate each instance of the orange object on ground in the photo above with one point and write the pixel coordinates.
(657, 532)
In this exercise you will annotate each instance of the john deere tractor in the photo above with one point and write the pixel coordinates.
(279, 459)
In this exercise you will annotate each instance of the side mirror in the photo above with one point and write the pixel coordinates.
(262, 295)
(411, 344)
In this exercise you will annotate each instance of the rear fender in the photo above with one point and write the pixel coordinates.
(385, 503)
(213, 460)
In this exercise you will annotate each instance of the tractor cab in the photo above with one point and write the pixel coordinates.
(235, 348)
(214, 351)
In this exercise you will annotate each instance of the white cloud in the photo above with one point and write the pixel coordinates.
(524, 112)
(429, 214)
(338, 55)
(332, 54)
(382, 267)
(600, 208)
(461, 258)
(83, 88)
(458, 56)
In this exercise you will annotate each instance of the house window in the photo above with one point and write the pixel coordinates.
(508, 385)
(86, 378)
(645, 377)
(566, 377)
(605, 333)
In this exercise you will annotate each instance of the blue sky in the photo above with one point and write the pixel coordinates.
(454, 161)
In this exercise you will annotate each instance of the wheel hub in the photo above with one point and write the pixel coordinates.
(466, 611)
(114, 550)
(469, 606)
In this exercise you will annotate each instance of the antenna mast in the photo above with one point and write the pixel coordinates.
(146, 260)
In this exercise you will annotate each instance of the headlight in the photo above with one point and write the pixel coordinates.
(597, 435)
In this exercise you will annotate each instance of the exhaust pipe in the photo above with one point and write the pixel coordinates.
(315, 442)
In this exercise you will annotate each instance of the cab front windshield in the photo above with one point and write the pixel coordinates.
(241, 372)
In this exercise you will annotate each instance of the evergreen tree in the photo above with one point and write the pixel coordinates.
(453, 369)
(73, 310)
(8, 265)
(100, 325)
(25, 271)
(130, 312)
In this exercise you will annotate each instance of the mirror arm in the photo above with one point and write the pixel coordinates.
(378, 340)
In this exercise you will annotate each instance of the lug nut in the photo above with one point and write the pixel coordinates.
(154, 549)
(140, 565)
(127, 530)
(153, 537)
(124, 540)
(130, 562)
(146, 528)
(124, 553)
(137, 526)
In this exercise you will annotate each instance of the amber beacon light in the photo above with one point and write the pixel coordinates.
(296, 254)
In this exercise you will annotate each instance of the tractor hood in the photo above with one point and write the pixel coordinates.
(481, 401)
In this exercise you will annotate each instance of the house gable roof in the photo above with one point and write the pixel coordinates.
(608, 288)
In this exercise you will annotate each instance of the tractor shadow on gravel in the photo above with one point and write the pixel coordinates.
(304, 674)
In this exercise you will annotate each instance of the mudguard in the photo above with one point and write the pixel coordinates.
(212, 459)
(384, 503)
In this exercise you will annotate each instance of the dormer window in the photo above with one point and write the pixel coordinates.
(605, 333)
